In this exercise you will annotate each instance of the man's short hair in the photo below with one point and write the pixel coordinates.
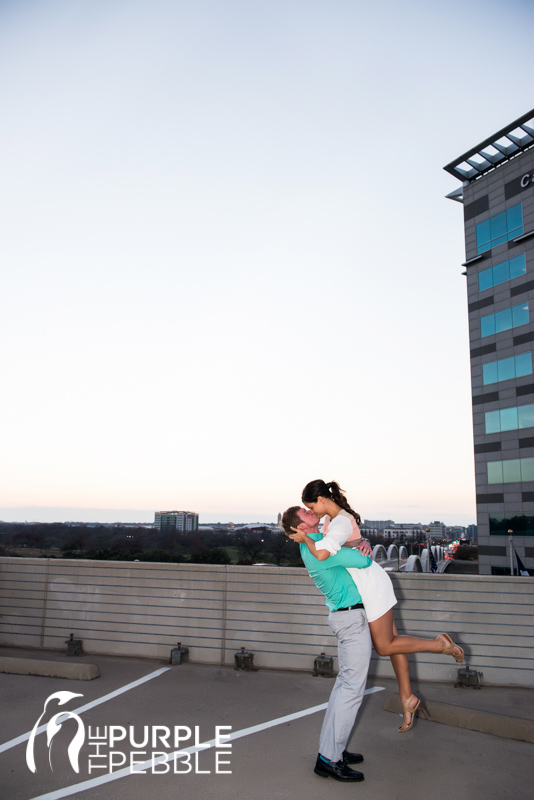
(291, 519)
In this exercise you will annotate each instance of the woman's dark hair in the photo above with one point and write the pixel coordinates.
(332, 491)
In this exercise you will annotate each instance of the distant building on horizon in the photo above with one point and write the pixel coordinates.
(181, 521)
(472, 532)
(438, 530)
(456, 531)
(497, 194)
(378, 524)
(404, 530)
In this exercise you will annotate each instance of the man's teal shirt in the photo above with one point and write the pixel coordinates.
(331, 577)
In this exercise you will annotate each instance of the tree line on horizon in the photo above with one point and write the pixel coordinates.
(125, 543)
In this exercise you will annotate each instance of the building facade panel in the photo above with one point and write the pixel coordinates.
(498, 216)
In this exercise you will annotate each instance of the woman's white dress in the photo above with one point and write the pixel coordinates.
(374, 584)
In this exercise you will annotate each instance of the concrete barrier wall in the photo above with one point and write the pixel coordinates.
(144, 609)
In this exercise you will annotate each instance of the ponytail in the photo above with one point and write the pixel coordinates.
(332, 491)
(339, 498)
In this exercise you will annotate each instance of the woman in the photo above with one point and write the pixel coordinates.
(375, 587)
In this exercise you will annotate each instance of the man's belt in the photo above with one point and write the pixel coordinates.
(349, 608)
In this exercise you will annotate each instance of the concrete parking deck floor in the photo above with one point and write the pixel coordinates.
(431, 761)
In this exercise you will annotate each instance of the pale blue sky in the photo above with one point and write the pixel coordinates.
(228, 264)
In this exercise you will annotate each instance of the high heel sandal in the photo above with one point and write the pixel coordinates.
(408, 709)
(448, 647)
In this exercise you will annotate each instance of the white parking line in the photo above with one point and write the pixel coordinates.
(25, 736)
(123, 773)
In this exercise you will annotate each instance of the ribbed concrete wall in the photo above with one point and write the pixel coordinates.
(141, 609)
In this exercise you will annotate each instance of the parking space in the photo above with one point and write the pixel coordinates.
(276, 717)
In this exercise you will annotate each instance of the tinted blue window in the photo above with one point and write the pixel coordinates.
(523, 364)
(514, 218)
(501, 273)
(490, 373)
(493, 422)
(507, 368)
(518, 266)
(526, 416)
(483, 233)
(500, 228)
(509, 419)
(504, 320)
(519, 315)
(485, 279)
(513, 470)
(487, 325)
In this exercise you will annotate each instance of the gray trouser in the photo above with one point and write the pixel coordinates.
(354, 653)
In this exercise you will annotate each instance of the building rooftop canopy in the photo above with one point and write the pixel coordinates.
(494, 151)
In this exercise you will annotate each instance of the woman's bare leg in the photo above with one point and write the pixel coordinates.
(401, 667)
(387, 642)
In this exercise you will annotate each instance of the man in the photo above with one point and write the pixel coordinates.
(348, 622)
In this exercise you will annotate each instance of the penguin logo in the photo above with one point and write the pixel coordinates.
(53, 727)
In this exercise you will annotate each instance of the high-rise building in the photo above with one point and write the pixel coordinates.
(438, 530)
(497, 193)
(181, 521)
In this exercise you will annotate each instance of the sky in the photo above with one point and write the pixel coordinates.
(228, 267)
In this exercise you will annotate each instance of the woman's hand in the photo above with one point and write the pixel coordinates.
(365, 548)
(298, 536)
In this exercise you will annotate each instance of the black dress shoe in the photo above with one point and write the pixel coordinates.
(351, 758)
(337, 770)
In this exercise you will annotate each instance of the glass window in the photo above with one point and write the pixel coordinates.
(504, 320)
(509, 419)
(514, 219)
(523, 365)
(494, 471)
(493, 421)
(500, 273)
(499, 228)
(526, 416)
(518, 266)
(513, 470)
(487, 325)
(483, 236)
(507, 368)
(522, 525)
(520, 315)
(490, 372)
(485, 279)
